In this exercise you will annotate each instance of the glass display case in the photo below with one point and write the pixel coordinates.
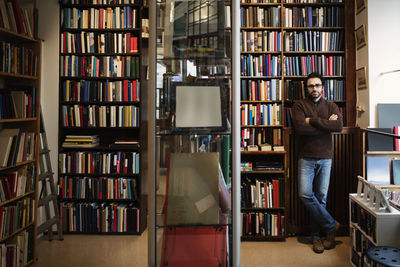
(192, 114)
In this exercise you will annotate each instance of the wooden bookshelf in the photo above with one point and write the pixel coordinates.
(19, 117)
(101, 99)
(283, 43)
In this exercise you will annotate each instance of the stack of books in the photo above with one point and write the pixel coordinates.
(81, 141)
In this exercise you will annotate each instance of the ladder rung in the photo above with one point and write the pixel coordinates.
(44, 151)
(47, 225)
(46, 200)
(42, 176)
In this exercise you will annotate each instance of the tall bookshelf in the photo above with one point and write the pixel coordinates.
(100, 174)
(282, 41)
(19, 132)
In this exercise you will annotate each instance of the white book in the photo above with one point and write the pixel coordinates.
(117, 17)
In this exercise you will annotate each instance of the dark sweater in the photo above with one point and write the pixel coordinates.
(315, 138)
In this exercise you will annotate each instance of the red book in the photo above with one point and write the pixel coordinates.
(18, 17)
(275, 193)
(265, 196)
(125, 85)
(134, 98)
(65, 42)
(135, 45)
(396, 131)
(330, 60)
(128, 42)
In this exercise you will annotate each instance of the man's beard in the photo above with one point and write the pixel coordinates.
(314, 97)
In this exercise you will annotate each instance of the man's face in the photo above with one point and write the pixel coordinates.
(314, 88)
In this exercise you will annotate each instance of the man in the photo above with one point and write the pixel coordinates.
(314, 120)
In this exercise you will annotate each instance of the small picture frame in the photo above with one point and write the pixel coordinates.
(360, 36)
(361, 78)
(360, 5)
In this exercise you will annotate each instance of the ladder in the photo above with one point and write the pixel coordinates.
(47, 188)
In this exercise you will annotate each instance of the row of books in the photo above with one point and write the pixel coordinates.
(15, 216)
(101, 188)
(99, 2)
(99, 162)
(17, 59)
(125, 17)
(261, 193)
(303, 65)
(261, 90)
(100, 116)
(313, 16)
(93, 42)
(17, 146)
(260, 41)
(261, 114)
(99, 217)
(314, 41)
(261, 136)
(255, 16)
(260, 65)
(18, 102)
(16, 183)
(19, 250)
(16, 18)
(333, 90)
(365, 220)
(101, 91)
(104, 66)
(262, 224)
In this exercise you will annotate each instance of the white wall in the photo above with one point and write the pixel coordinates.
(49, 33)
(362, 61)
(383, 54)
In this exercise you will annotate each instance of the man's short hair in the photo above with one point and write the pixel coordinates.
(314, 75)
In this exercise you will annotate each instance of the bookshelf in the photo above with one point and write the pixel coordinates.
(372, 223)
(100, 135)
(19, 132)
(281, 42)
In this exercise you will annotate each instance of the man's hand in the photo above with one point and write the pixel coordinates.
(307, 120)
(333, 117)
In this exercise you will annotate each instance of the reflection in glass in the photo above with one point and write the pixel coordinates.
(193, 128)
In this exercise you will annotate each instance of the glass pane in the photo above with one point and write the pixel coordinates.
(193, 134)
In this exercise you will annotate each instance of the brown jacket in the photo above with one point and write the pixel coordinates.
(315, 138)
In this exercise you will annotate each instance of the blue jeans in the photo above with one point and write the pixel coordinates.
(314, 175)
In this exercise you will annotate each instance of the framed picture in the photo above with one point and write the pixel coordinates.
(199, 107)
(360, 5)
(361, 38)
(361, 78)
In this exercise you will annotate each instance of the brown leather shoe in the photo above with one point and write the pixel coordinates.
(318, 247)
(329, 241)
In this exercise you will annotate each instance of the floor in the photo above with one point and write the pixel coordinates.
(121, 251)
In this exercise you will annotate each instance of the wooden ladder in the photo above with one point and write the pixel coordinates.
(47, 188)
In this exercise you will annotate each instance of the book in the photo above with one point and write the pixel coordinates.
(266, 147)
(377, 142)
(396, 141)
(396, 171)
(8, 140)
(278, 148)
(378, 170)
